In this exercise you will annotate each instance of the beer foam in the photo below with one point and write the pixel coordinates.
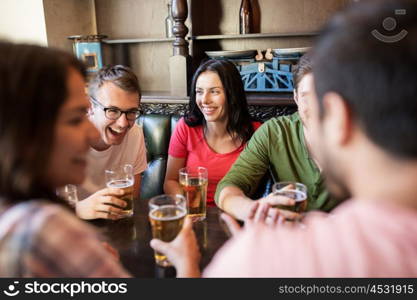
(120, 183)
(182, 212)
(298, 196)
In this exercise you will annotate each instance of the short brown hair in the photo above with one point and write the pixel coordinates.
(303, 68)
(120, 75)
(376, 79)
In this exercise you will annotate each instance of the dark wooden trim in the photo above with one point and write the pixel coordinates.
(251, 36)
(138, 40)
(179, 11)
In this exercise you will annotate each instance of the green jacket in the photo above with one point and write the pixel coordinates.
(279, 145)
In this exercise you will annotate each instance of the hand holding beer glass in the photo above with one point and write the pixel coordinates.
(166, 215)
(193, 182)
(293, 190)
(122, 178)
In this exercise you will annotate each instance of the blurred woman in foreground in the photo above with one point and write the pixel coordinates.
(44, 135)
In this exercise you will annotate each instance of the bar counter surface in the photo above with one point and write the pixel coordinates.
(131, 237)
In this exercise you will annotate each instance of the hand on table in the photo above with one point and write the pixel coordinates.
(274, 200)
(102, 205)
(260, 213)
(182, 252)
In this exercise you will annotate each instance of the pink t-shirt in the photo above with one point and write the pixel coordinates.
(188, 142)
(358, 239)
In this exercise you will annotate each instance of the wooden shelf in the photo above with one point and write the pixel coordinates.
(251, 36)
(254, 98)
(211, 37)
(136, 41)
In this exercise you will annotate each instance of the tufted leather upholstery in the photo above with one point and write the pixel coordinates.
(157, 129)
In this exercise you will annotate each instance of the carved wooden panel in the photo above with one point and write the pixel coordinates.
(258, 112)
(179, 14)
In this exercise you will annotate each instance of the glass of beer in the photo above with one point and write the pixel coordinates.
(293, 190)
(166, 215)
(69, 192)
(193, 182)
(122, 178)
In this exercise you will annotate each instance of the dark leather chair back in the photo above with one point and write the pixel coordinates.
(157, 130)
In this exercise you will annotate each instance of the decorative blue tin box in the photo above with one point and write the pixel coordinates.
(88, 49)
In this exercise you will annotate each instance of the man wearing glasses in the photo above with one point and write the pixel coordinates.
(115, 97)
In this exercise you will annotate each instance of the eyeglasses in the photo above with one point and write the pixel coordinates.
(113, 113)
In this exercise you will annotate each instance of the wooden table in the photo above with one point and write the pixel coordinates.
(131, 238)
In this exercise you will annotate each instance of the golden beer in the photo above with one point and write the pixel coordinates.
(166, 221)
(195, 191)
(127, 186)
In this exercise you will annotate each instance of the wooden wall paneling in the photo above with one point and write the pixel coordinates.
(151, 63)
(297, 15)
(140, 19)
(131, 18)
(222, 16)
(66, 18)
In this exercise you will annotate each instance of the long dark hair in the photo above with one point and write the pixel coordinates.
(238, 124)
(33, 87)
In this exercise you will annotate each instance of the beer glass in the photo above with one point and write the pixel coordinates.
(193, 182)
(122, 178)
(69, 192)
(166, 215)
(293, 190)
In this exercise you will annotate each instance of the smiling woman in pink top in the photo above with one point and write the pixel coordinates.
(216, 128)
